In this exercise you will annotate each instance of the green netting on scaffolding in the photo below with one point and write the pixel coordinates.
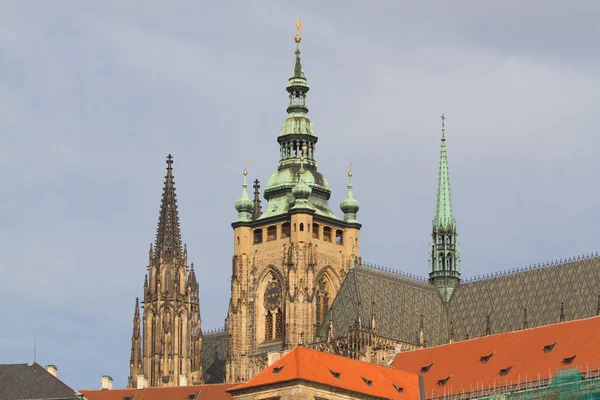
(566, 385)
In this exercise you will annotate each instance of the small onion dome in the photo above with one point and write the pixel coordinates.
(244, 205)
(350, 205)
(301, 191)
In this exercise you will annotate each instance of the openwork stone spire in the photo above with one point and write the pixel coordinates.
(168, 235)
(444, 258)
(135, 363)
(443, 212)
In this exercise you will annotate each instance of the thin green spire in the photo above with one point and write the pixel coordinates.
(244, 205)
(443, 211)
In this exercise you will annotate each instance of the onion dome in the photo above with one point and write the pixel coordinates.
(301, 191)
(244, 205)
(350, 205)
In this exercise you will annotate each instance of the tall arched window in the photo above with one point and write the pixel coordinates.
(273, 320)
(322, 303)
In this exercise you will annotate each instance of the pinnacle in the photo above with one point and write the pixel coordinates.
(443, 212)
(168, 235)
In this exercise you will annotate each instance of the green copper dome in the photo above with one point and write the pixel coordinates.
(350, 205)
(244, 205)
(301, 192)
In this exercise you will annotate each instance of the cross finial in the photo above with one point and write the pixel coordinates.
(443, 124)
(169, 161)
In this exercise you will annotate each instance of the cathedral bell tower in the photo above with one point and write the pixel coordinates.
(170, 350)
(444, 257)
(290, 259)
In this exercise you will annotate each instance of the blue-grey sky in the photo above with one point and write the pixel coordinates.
(94, 95)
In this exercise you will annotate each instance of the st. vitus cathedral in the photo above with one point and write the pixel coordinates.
(298, 279)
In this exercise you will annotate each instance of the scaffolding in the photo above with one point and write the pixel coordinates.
(567, 384)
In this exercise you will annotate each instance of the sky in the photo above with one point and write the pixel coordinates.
(94, 95)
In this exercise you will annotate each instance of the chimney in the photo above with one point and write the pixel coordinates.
(183, 380)
(52, 369)
(142, 381)
(106, 382)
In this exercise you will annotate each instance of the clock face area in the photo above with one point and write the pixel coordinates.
(273, 296)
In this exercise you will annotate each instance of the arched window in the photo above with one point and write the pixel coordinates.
(258, 236)
(285, 230)
(322, 303)
(238, 240)
(449, 261)
(268, 326)
(449, 239)
(441, 260)
(271, 233)
(278, 325)
(339, 236)
(327, 234)
(273, 318)
(301, 227)
(315, 233)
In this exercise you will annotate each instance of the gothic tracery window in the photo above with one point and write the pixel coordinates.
(273, 322)
(322, 302)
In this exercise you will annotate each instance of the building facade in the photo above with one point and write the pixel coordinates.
(166, 345)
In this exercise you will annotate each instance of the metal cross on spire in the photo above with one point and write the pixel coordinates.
(443, 124)
(170, 161)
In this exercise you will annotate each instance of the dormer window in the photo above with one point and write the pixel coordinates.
(485, 359)
(398, 388)
(569, 360)
(277, 370)
(367, 381)
(505, 371)
(443, 382)
(549, 347)
(336, 375)
(426, 368)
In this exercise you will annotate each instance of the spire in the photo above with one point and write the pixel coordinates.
(373, 317)
(244, 205)
(421, 333)
(350, 205)
(257, 210)
(444, 258)
(191, 279)
(443, 211)
(168, 235)
(136, 344)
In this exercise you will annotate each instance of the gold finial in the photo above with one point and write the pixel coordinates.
(297, 39)
(245, 171)
(303, 152)
(350, 170)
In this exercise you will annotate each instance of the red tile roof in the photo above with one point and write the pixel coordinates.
(204, 392)
(341, 372)
(507, 358)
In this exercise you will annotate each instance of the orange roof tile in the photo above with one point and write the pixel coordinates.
(507, 358)
(337, 371)
(204, 392)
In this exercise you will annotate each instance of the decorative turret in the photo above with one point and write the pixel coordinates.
(135, 363)
(257, 210)
(444, 259)
(244, 205)
(301, 191)
(350, 205)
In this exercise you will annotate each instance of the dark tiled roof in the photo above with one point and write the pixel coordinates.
(31, 381)
(540, 291)
(214, 355)
(399, 303)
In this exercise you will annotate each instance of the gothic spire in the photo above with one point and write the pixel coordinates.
(257, 210)
(136, 344)
(168, 234)
(444, 258)
(443, 211)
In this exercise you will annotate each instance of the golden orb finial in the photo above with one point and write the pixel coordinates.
(350, 170)
(245, 172)
(350, 174)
